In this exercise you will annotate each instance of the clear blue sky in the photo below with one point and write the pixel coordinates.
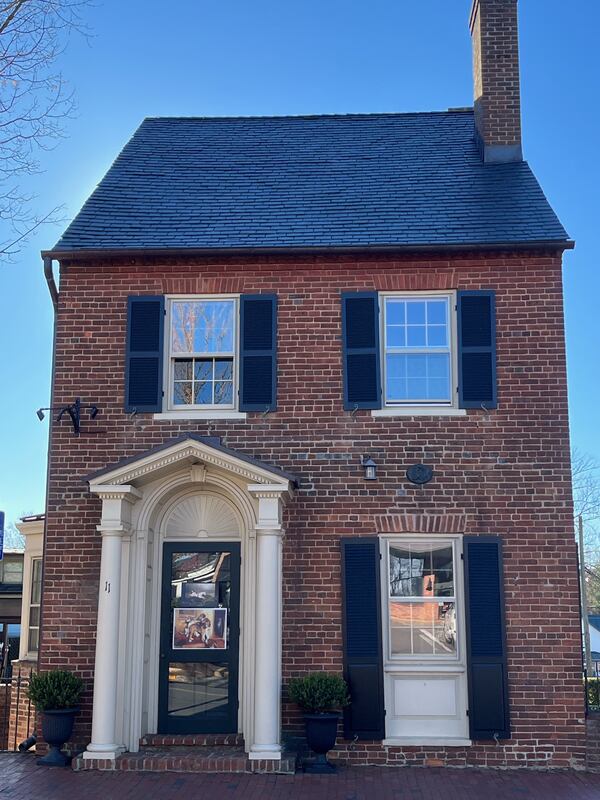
(196, 57)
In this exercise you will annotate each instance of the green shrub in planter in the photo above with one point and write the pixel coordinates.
(319, 693)
(55, 690)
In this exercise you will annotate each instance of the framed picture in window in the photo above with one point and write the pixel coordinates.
(199, 629)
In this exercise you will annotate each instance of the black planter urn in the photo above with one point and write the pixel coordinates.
(57, 727)
(321, 732)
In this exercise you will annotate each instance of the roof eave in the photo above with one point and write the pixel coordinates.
(95, 253)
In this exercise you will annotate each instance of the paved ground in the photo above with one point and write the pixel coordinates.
(22, 779)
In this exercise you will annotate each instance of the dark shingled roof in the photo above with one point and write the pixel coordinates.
(356, 181)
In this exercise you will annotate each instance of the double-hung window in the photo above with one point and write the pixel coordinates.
(422, 618)
(202, 366)
(418, 350)
(33, 639)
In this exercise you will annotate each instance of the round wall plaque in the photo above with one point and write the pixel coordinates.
(419, 474)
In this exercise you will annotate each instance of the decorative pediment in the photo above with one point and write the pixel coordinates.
(200, 454)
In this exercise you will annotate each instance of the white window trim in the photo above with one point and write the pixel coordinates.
(421, 409)
(27, 629)
(199, 412)
(407, 663)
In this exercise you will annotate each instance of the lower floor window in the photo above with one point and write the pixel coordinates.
(421, 599)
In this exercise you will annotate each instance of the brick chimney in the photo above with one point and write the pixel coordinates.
(495, 38)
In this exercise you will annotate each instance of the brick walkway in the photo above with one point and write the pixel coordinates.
(22, 779)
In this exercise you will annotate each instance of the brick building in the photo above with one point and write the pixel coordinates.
(257, 306)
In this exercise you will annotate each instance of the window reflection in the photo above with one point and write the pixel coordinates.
(422, 605)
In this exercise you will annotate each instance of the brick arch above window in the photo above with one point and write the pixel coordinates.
(421, 523)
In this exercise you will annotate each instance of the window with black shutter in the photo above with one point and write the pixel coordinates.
(144, 353)
(476, 312)
(219, 352)
(486, 638)
(419, 351)
(363, 657)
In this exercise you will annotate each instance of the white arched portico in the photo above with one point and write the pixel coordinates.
(189, 489)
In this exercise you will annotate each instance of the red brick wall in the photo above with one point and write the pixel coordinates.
(502, 472)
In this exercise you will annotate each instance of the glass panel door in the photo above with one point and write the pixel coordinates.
(199, 651)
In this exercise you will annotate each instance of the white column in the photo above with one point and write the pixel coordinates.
(266, 740)
(116, 510)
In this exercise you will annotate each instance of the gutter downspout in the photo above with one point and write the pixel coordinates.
(50, 281)
(49, 275)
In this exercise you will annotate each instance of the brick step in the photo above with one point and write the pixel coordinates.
(192, 740)
(187, 758)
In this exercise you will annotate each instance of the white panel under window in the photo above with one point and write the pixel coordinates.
(422, 697)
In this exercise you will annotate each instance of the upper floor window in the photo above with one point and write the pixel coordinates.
(417, 344)
(11, 570)
(203, 353)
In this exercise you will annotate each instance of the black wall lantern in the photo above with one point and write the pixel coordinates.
(370, 468)
(73, 411)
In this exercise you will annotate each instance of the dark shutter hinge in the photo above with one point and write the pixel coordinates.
(467, 712)
(462, 556)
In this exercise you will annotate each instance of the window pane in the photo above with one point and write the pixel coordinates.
(422, 628)
(223, 392)
(182, 369)
(396, 336)
(422, 571)
(202, 326)
(203, 370)
(444, 630)
(223, 369)
(395, 312)
(436, 312)
(442, 570)
(416, 336)
(197, 687)
(33, 640)
(13, 572)
(36, 580)
(407, 569)
(436, 336)
(182, 394)
(418, 377)
(203, 393)
(415, 312)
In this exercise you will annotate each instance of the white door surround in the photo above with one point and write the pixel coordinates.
(187, 490)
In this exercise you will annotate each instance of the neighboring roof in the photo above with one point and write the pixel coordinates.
(211, 441)
(594, 620)
(339, 181)
(33, 518)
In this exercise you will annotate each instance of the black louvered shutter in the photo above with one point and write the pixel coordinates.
(144, 353)
(258, 352)
(476, 312)
(486, 638)
(360, 350)
(363, 657)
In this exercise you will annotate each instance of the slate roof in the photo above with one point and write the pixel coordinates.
(351, 181)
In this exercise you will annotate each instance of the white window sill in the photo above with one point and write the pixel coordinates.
(208, 414)
(419, 411)
(420, 741)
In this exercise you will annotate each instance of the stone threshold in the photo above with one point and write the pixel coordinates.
(190, 758)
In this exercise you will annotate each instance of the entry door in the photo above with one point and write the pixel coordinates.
(199, 652)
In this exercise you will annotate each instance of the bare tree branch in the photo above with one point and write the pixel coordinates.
(34, 102)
